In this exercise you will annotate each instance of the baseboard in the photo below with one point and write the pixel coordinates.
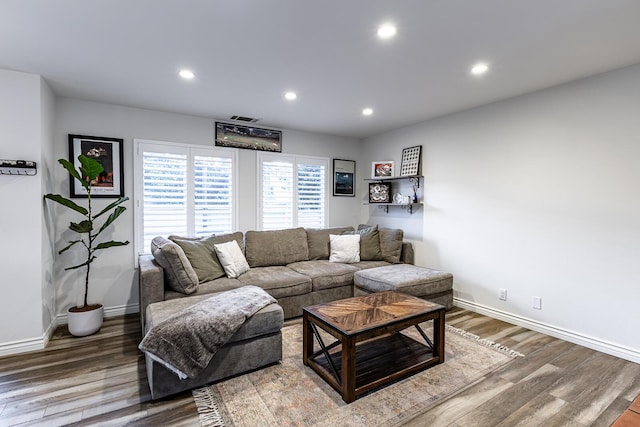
(35, 344)
(554, 331)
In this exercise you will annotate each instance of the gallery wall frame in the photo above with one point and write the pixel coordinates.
(108, 152)
(382, 169)
(248, 137)
(411, 158)
(344, 173)
(379, 192)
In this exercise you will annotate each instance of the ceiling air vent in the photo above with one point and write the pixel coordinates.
(244, 119)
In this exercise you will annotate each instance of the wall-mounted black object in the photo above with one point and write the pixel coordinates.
(18, 167)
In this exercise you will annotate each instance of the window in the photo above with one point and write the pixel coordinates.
(292, 191)
(182, 189)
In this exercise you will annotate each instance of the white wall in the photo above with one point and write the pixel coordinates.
(114, 282)
(25, 103)
(538, 195)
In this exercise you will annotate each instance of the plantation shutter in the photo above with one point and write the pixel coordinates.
(182, 190)
(292, 191)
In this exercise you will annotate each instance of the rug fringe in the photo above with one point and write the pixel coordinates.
(484, 341)
(208, 407)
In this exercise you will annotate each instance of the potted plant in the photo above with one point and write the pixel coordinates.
(87, 319)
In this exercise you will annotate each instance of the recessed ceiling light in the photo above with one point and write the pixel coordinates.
(186, 74)
(290, 96)
(386, 31)
(367, 112)
(479, 69)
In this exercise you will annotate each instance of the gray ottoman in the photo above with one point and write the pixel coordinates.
(256, 344)
(433, 285)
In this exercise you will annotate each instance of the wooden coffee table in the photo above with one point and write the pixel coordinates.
(369, 350)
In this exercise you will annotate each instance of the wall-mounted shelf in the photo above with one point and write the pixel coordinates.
(18, 167)
(381, 194)
(385, 206)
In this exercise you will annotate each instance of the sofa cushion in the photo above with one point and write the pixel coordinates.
(201, 254)
(369, 243)
(204, 288)
(325, 274)
(344, 248)
(390, 243)
(365, 265)
(278, 281)
(266, 320)
(277, 247)
(410, 279)
(178, 271)
(231, 258)
(318, 241)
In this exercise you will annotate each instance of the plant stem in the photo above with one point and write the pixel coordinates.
(89, 249)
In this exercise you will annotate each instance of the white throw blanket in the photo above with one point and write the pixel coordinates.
(186, 341)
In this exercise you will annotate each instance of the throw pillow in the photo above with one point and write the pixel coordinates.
(232, 259)
(201, 255)
(344, 248)
(390, 243)
(369, 243)
(178, 271)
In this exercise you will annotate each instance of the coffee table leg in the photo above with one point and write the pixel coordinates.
(348, 369)
(307, 340)
(438, 335)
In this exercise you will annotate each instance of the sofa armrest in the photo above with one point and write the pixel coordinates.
(151, 284)
(406, 256)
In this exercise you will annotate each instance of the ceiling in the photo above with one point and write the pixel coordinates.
(247, 53)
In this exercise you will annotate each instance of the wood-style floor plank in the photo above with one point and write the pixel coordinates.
(101, 380)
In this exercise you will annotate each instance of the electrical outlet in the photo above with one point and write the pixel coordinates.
(502, 294)
(536, 302)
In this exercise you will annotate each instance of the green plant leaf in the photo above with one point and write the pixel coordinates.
(90, 168)
(66, 202)
(114, 215)
(111, 206)
(85, 226)
(71, 169)
(111, 244)
(71, 243)
(89, 261)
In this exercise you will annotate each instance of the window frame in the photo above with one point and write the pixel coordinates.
(191, 150)
(295, 160)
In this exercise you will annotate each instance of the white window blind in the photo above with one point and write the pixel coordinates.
(292, 191)
(182, 190)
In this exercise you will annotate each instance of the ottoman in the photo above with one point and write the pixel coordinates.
(433, 285)
(256, 344)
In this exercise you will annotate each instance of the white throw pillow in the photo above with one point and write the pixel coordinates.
(344, 248)
(231, 258)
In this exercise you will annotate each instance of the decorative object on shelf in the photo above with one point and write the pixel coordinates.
(399, 198)
(18, 167)
(344, 172)
(411, 161)
(415, 193)
(248, 137)
(108, 153)
(382, 169)
(87, 319)
(379, 192)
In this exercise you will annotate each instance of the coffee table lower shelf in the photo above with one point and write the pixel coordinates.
(379, 361)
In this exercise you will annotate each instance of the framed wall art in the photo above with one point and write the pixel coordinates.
(379, 192)
(382, 169)
(108, 152)
(411, 161)
(248, 137)
(344, 172)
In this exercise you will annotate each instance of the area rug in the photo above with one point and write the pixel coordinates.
(291, 394)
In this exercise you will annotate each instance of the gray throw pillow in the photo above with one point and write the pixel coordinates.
(390, 243)
(369, 243)
(178, 271)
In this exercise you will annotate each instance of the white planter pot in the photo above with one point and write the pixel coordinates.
(83, 323)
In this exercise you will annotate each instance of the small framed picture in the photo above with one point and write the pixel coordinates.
(108, 152)
(382, 169)
(411, 161)
(344, 177)
(379, 192)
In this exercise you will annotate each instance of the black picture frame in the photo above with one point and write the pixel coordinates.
(248, 137)
(108, 151)
(344, 174)
(411, 161)
(379, 192)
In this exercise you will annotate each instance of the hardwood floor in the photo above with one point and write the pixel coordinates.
(101, 380)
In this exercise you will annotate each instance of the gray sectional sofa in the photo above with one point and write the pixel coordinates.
(291, 265)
